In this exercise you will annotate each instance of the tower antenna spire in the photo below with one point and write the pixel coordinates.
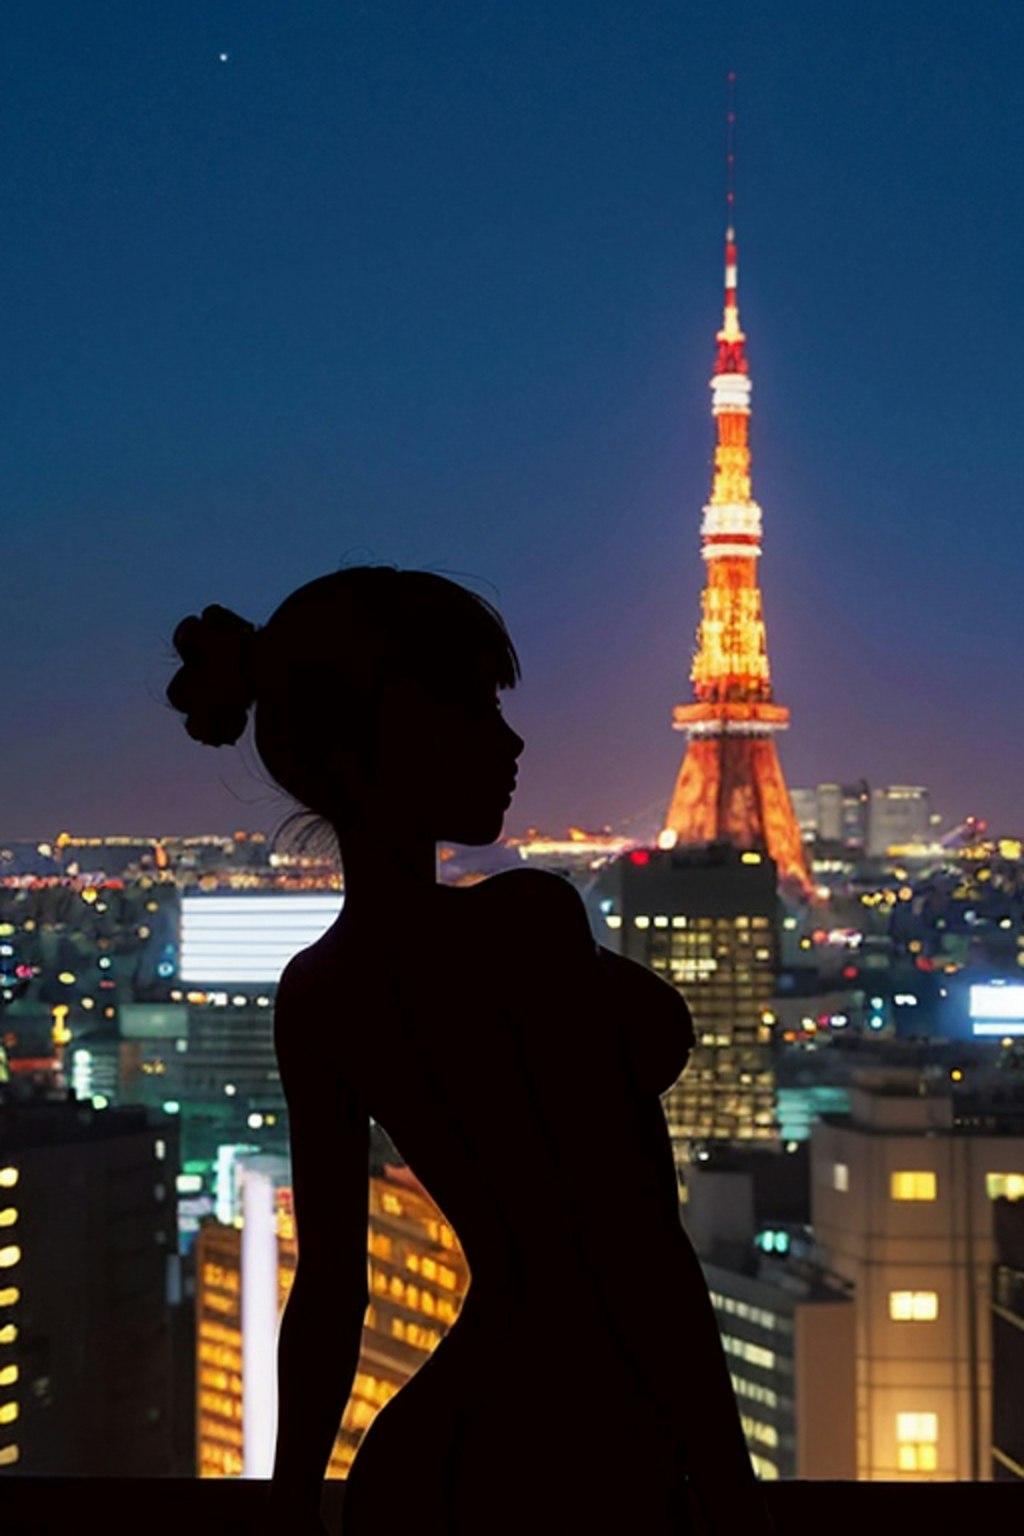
(730, 786)
(730, 151)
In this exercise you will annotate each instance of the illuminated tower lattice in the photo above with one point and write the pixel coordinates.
(730, 786)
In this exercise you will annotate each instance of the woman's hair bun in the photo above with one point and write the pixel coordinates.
(214, 687)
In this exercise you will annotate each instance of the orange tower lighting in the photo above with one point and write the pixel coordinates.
(730, 785)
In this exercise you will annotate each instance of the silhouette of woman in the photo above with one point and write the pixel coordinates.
(516, 1066)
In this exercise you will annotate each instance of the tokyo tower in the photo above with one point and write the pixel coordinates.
(730, 786)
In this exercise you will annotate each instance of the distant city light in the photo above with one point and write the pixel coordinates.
(994, 1001)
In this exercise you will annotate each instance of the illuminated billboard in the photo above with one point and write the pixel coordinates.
(247, 940)
(997, 1009)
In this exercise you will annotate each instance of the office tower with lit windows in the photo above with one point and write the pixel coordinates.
(207, 1053)
(705, 919)
(900, 818)
(88, 1282)
(418, 1277)
(787, 1326)
(902, 1193)
(730, 786)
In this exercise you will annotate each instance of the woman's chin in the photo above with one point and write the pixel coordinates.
(476, 831)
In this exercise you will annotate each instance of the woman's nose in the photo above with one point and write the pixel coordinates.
(517, 740)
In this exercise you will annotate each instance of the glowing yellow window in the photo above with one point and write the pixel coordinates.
(9, 1454)
(8, 1333)
(8, 1413)
(8, 1178)
(913, 1306)
(913, 1185)
(917, 1435)
(8, 1216)
(9, 1256)
(9, 1296)
(8, 1375)
(1004, 1186)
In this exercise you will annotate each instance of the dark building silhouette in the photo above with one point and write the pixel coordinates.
(88, 1278)
(1008, 1342)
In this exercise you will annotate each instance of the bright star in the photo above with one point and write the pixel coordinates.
(223, 57)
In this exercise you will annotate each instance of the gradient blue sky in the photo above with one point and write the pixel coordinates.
(438, 284)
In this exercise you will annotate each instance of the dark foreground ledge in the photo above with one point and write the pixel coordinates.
(109, 1506)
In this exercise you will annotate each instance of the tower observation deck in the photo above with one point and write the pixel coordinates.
(730, 786)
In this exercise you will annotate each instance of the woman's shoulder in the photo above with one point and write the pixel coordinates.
(539, 903)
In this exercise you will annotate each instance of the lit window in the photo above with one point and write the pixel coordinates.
(918, 1435)
(160, 1149)
(841, 1177)
(913, 1306)
(8, 1333)
(641, 922)
(8, 1178)
(756, 1429)
(8, 1413)
(913, 1185)
(8, 1375)
(1004, 1186)
(753, 1353)
(8, 1455)
(9, 1256)
(9, 1296)
(8, 1216)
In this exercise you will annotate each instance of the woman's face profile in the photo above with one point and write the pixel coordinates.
(446, 756)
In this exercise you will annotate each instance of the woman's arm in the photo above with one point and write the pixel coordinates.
(318, 1348)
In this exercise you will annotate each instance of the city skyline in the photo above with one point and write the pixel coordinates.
(283, 291)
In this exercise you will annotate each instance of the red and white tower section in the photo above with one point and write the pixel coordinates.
(730, 786)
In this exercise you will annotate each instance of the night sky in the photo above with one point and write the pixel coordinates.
(438, 284)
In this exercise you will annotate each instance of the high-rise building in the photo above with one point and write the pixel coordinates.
(418, 1277)
(900, 815)
(902, 1193)
(88, 1282)
(787, 1327)
(706, 920)
(730, 785)
(844, 815)
(1008, 1342)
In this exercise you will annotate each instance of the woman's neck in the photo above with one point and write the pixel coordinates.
(385, 867)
